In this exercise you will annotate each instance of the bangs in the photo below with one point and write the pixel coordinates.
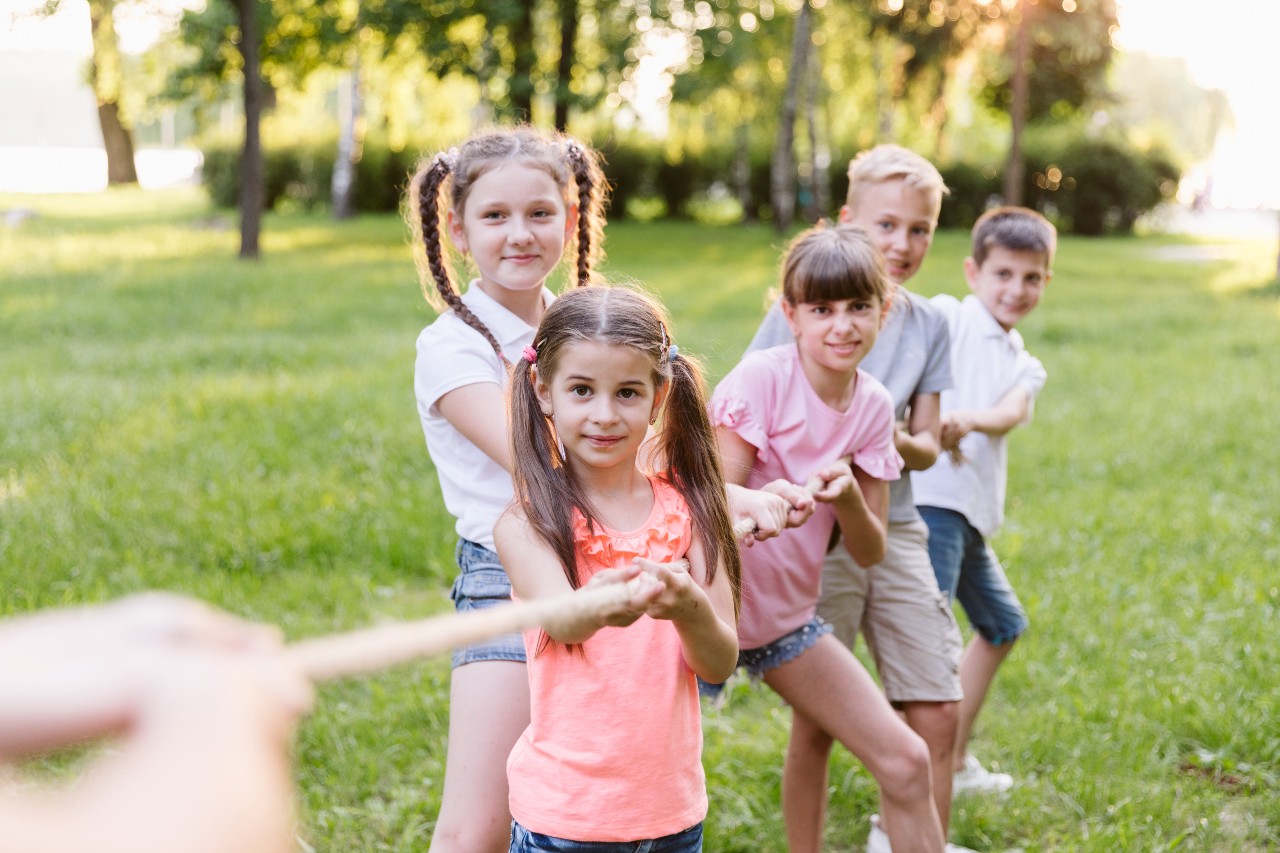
(827, 278)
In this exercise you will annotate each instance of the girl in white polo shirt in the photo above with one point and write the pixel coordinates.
(511, 201)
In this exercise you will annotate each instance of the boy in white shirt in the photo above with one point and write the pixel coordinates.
(996, 383)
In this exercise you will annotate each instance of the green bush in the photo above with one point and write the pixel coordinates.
(1098, 185)
(971, 191)
(303, 174)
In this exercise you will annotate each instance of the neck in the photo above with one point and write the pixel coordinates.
(835, 388)
(616, 493)
(525, 304)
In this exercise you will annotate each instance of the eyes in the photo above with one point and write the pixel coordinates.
(500, 215)
(584, 391)
(888, 226)
(826, 309)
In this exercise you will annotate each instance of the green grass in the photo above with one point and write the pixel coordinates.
(246, 432)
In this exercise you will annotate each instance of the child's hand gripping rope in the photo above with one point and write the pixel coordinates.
(800, 502)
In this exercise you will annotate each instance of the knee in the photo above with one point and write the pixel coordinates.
(903, 773)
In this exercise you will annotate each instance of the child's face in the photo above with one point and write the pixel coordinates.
(602, 398)
(834, 336)
(900, 220)
(1009, 283)
(515, 225)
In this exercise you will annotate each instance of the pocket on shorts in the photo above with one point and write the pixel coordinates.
(481, 584)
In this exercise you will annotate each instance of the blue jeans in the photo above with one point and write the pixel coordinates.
(969, 572)
(524, 841)
(483, 583)
(785, 649)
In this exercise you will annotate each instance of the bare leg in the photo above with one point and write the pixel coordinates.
(804, 784)
(488, 711)
(977, 671)
(827, 685)
(936, 722)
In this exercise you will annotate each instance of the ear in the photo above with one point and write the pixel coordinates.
(971, 270)
(540, 390)
(659, 397)
(457, 234)
(846, 214)
(886, 305)
(789, 311)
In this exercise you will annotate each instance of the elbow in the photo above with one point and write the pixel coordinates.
(719, 671)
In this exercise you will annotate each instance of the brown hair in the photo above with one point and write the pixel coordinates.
(544, 483)
(1018, 229)
(828, 263)
(569, 163)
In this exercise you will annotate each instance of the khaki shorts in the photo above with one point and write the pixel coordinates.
(898, 608)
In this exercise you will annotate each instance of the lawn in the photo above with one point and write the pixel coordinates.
(246, 433)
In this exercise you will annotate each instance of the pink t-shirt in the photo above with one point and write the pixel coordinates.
(613, 751)
(768, 401)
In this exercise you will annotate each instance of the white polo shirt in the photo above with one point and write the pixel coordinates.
(986, 363)
(452, 355)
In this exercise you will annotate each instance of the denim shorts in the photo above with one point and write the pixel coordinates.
(524, 841)
(785, 649)
(968, 572)
(483, 583)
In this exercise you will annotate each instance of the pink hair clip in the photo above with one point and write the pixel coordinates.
(531, 355)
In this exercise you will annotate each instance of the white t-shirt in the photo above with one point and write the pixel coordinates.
(987, 362)
(452, 355)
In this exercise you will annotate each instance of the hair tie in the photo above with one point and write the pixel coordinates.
(673, 352)
(531, 355)
(449, 159)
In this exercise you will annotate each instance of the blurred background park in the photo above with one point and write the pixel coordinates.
(1094, 111)
(174, 417)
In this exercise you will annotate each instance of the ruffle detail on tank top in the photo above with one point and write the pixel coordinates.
(664, 537)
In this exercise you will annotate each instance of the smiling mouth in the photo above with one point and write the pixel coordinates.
(604, 440)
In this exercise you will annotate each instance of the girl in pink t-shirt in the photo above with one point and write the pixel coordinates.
(613, 751)
(805, 412)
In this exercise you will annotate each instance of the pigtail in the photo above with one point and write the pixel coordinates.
(590, 180)
(542, 487)
(688, 444)
(425, 199)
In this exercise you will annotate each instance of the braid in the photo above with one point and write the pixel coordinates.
(427, 186)
(589, 177)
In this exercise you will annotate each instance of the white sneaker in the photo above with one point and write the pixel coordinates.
(975, 778)
(878, 840)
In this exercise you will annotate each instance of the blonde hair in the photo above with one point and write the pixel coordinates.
(893, 162)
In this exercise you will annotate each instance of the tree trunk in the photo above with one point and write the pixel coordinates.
(819, 157)
(526, 57)
(1020, 84)
(564, 67)
(106, 76)
(344, 167)
(251, 161)
(884, 95)
(782, 176)
(741, 170)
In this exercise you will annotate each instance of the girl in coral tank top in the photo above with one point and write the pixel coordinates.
(612, 755)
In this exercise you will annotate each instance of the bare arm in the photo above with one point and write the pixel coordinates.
(701, 613)
(1011, 410)
(537, 573)
(861, 504)
(479, 412)
(919, 440)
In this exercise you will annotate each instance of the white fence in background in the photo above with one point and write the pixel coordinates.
(74, 170)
